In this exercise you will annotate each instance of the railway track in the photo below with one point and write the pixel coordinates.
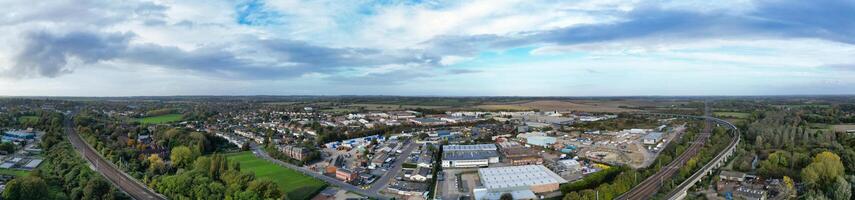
(652, 184)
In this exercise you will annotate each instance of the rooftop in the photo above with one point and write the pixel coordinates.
(473, 147)
(468, 155)
(516, 176)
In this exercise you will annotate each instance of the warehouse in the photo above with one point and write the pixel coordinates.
(478, 155)
(468, 158)
(541, 141)
(652, 138)
(536, 178)
(518, 155)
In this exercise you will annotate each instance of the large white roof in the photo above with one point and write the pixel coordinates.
(516, 176)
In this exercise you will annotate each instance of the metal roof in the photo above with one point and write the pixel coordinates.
(472, 147)
(517, 176)
(468, 155)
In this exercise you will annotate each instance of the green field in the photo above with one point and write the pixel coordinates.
(738, 115)
(160, 119)
(14, 172)
(296, 185)
(24, 119)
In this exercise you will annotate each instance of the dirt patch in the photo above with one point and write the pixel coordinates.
(843, 127)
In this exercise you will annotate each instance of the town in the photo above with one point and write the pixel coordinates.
(313, 150)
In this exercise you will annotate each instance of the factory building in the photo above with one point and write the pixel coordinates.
(525, 180)
(652, 138)
(460, 156)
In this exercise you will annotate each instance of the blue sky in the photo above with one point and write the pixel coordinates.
(455, 48)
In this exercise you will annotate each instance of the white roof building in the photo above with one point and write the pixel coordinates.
(537, 178)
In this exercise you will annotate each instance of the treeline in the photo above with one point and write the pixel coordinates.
(214, 177)
(174, 163)
(787, 147)
(62, 175)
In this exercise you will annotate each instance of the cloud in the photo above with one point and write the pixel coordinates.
(47, 54)
(824, 19)
(840, 67)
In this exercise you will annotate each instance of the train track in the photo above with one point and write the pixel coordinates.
(121, 180)
(652, 184)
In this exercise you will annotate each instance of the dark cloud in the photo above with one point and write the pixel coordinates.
(47, 54)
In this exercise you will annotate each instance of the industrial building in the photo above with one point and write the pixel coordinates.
(11, 136)
(524, 180)
(652, 138)
(478, 155)
(541, 141)
(516, 154)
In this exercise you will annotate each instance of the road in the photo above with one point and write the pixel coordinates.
(259, 152)
(651, 185)
(396, 168)
(123, 181)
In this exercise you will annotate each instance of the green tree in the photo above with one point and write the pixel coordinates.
(181, 156)
(842, 190)
(266, 189)
(26, 187)
(96, 188)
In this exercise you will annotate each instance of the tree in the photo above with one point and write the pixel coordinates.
(181, 156)
(823, 171)
(506, 196)
(96, 188)
(26, 187)
(155, 164)
(788, 183)
(266, 189)
(842, 190)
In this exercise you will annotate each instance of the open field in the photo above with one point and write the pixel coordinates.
(843, 127)
(160, 119)
(549, 105)
(738, 115)
(14, 172)
(383, 107)
(296, 185)
(24, 119)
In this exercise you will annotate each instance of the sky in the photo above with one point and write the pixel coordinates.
(427, 48)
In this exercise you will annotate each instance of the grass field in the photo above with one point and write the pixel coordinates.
(14, 172)
(160, 119)
(738, 115)
(24, 119)
(296, 185)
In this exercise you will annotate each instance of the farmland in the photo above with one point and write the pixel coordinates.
(737, 115)
(160, 119)
(296, 185)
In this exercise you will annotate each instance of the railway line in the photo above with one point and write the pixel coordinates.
(652, 184)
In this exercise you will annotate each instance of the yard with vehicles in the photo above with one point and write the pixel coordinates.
(296, 185)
